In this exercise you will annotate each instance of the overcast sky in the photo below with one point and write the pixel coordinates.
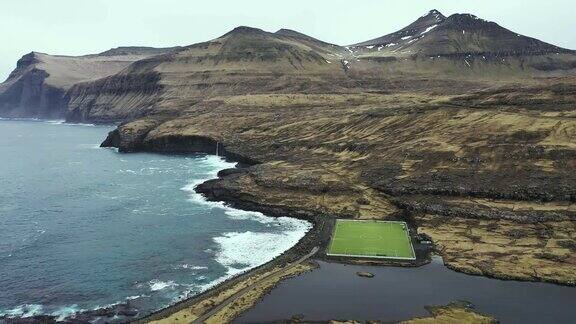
(74, 27)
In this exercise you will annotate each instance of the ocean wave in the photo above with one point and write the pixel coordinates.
(128, 171)
(90, 146)
(26, 310)
(217, 163)
(133, 298)
(63, 122)
(20, 119)
(55, 122)
(236, 251)
(190, 267)
(238, 214)
(81, 124)
(66, 311)
(47, 121)
(30, 310)
(156, 284)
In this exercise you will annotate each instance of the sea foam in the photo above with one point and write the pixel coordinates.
(26, 310)
(217, 163)
(242, 251)
(237, 249)
(156, 285)
(66, 311)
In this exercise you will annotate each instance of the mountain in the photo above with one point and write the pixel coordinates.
(434, 53)
(244, 60)
(36, 88)
(434, 34)
(421, 25)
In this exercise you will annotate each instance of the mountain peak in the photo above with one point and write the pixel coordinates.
(434, 34)
(245, 30)
(433, 14)
(421, 26)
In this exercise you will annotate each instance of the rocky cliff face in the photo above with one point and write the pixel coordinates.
(39, 84)
(26, 94)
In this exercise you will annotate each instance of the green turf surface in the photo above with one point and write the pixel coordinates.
(376, 239)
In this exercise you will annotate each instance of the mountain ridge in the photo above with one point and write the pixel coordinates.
(435, 34)
(125, 82)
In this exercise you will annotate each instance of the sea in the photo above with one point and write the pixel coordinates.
(86, 228)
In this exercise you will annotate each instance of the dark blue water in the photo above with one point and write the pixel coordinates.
(83, 227)
(395, 294)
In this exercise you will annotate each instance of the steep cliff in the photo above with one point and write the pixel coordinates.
(38, 85)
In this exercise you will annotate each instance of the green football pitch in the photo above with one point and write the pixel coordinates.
(371, 239)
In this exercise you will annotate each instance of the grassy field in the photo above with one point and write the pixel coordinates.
(371, 239)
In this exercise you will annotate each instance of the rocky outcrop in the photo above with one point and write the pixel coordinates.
(505, 249)
(457, 312)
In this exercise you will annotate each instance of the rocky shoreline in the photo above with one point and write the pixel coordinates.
(318, 236)
(225, 188)
(278, 189)
(220, 190)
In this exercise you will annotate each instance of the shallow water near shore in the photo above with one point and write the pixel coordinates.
(85, 227)
(334, 291)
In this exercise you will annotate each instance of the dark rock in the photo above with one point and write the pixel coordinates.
(365, 274)
(227, 172)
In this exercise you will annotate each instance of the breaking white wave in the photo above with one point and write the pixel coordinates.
(218, 164)
(63, 122)
(26, 310)
(237, 249)
(190, 267)
(30, 310)
(19, 118)
(66, 311)
(134, 297)
(238, 214)
(55, 122)
(156, 284)
(241, 251)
